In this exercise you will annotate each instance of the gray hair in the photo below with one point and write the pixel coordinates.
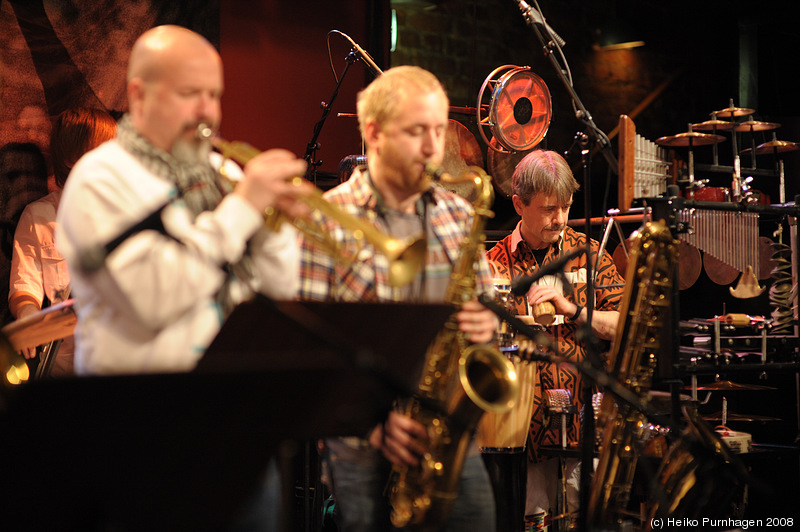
(544, 172)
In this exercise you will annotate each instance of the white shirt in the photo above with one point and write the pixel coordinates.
(37, 269)
(151, 307)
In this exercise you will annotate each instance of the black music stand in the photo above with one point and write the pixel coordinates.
(183, 451)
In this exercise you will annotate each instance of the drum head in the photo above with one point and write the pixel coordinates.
(520, 110)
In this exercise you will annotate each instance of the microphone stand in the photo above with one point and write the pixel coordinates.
(585, 333)
(602, 378)
(592, 345)
(581, 113)
(313, 145)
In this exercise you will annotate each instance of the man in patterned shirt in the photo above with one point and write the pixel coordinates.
(403, 120)
(543, 187)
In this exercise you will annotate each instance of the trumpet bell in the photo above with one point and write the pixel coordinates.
(406, 259)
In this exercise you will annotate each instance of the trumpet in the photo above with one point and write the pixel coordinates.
(406, 255)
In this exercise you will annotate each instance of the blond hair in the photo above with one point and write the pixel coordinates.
(379, 101)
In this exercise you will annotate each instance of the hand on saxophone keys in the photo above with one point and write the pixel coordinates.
(269, 182)
(478, 322)
(401, 439)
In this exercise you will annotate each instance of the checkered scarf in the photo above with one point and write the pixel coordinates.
(198, 184)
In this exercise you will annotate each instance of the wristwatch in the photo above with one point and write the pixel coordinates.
(578, 310)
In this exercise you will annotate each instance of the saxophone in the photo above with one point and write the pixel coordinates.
(651, 265)
(458, 383)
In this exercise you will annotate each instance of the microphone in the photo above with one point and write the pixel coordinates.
(522, 284)
(532, 16)
(364, 56)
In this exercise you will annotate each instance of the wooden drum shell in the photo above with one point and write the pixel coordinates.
(509, 430)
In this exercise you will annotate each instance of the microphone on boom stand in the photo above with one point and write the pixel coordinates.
(363, 54)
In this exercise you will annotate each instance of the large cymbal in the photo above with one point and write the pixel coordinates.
(714, 125)
(729, 112)
(777, 146)
(755, 125)
(729, 386)
(690, 138)
(461, 151)
(501, 165)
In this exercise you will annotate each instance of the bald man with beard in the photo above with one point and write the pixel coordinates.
(157, 300)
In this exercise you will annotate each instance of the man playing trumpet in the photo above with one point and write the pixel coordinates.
(156, 301)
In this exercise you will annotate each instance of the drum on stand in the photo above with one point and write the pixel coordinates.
(517, 115)
(502, 439)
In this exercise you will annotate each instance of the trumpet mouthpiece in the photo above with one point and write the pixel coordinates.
(204, 132)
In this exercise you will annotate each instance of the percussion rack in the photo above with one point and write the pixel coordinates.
(728, 170)
(669, 209)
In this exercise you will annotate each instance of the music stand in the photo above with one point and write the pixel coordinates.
(183, 451)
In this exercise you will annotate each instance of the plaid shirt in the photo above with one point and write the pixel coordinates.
(365, 278)
(512, 257)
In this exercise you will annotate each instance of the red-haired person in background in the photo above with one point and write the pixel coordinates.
(39, 275)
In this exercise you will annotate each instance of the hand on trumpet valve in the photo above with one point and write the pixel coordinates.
(269, 182)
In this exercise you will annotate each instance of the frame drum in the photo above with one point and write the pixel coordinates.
(519, 110)
(508, 432)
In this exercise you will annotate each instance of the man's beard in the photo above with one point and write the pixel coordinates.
(192, 151)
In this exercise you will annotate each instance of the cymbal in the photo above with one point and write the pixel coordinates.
(690, 138)
(717, 416)
(729, 386)
(755, 125)
(501, 165)
(779, 146)
(50, 324)
(733, 111)
(711, 125)
(661, 402)
(461, 151)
